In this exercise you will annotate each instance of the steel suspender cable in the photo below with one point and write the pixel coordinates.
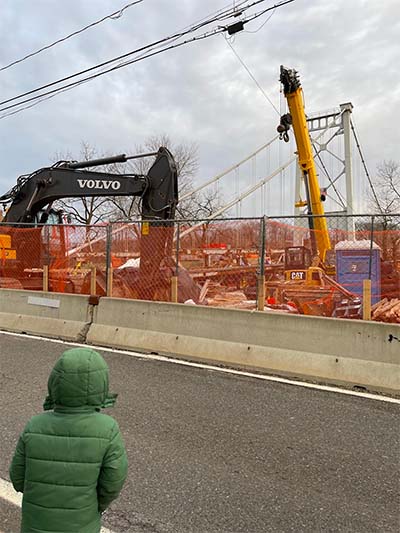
(329, 178)
(365, 167)
(225, 172)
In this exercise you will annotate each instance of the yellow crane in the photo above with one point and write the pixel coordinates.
(296, 118)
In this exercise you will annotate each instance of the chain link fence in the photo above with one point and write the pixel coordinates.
(271, 264)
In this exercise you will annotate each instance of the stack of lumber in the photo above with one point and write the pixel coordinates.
(229, 299)
(387, 311)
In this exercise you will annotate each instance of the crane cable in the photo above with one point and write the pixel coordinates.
(250, 73)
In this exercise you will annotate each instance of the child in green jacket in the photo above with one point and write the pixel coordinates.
(70, 462)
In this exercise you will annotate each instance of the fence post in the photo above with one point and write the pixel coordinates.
(371, 247)
(45, 278)
(261, 274)
(174, 279)
(110, 274)
(93, 281)
(109, 268)
(367, 299)
(46, 258)
(367, 283)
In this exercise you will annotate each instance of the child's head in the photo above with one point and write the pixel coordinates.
(79, 379)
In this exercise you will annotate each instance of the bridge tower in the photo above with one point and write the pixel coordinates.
(335, 123)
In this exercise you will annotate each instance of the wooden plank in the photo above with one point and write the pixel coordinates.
(367, 299)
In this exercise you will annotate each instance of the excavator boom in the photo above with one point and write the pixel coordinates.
(158, 189)
(31, 198)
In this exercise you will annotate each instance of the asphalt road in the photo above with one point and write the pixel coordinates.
(219, 453)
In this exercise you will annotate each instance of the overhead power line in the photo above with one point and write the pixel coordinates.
(220, 16)
(263, 24)
(54, 92)
(114, 15)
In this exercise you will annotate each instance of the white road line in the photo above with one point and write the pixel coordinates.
(8, 494)
(154, 357)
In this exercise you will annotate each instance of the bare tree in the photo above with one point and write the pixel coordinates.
(386, 196)
(385, 200)
(197, 205)
(201, 205)
(92, 210)
(185, 155)
(85, 210)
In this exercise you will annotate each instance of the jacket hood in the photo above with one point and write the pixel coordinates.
(79, 379)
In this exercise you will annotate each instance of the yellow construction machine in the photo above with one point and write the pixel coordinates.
(309, 278)
(302, 264)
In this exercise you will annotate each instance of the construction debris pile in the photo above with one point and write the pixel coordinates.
(387, 311)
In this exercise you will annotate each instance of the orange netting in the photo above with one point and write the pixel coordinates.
(216, 263)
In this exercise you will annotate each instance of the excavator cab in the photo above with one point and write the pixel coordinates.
(48, 216)
(24, 249)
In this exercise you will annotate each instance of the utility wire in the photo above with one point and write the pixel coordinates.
(263, 24)
(115, 15)
(219, 17)
(54, 92)
(174, 37)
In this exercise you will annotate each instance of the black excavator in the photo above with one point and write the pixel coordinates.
(30, 206)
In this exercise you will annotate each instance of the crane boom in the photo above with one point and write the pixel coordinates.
(297, 118)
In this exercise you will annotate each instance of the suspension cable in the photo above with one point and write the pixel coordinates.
(365, 167)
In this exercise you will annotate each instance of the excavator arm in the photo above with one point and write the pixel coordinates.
(158, 189)
(297, 119)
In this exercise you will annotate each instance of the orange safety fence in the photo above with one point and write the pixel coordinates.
(223, 257)
(366, 251)
(353, 244)
(142, 260)
(219, 263)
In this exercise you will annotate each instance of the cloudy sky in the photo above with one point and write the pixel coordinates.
(345, 50)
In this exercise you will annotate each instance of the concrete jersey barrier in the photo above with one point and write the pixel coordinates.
(350, 352)
(63, 316)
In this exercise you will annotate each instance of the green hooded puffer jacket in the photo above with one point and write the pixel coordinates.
(70, 462)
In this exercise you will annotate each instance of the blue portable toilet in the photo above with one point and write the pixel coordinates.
(353, 265)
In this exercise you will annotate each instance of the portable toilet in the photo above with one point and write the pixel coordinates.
(354, 259)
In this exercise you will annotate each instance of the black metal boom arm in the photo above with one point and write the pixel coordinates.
(158, 190)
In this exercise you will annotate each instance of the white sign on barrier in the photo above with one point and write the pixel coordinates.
(45, 302)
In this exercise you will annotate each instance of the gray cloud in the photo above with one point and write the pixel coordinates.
(344, 50)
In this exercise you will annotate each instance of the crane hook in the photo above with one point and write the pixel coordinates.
(284, 127)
